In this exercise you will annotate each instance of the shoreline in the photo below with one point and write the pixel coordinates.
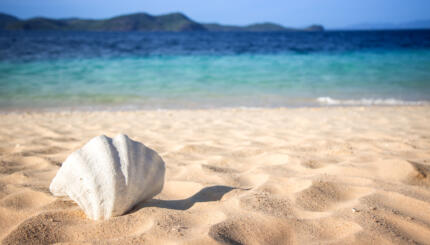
(89, 109)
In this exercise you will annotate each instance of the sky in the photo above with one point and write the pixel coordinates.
(292, 13)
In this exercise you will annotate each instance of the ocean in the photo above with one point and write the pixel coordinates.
(192, 70)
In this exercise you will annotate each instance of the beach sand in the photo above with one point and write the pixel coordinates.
(349, 175)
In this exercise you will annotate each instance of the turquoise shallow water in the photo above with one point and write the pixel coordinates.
(206, 80)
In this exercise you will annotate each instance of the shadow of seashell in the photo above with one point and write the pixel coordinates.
(207, 194)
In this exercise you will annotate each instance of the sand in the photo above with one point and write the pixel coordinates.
(240, 176)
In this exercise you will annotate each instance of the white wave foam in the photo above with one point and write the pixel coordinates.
(369, 102)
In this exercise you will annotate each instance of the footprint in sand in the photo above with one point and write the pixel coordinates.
(266, 203)
(251, 230)
(324, 196)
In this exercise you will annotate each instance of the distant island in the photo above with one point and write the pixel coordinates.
(417, 24)
(174, 22)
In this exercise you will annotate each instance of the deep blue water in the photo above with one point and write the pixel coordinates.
(205, 70)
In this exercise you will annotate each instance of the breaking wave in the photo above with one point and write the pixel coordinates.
(369, 102)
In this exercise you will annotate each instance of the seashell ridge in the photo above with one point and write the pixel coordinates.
(107, 177)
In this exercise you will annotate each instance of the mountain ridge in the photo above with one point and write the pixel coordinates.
(174, 22)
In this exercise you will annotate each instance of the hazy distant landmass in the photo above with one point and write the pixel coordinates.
(136, 22)
(418, 24)
(266, 26)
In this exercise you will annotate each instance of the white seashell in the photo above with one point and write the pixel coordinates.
(107, 177)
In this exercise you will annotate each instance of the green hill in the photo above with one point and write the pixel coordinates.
(6, 20)
(37, 24)
(175, 22)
